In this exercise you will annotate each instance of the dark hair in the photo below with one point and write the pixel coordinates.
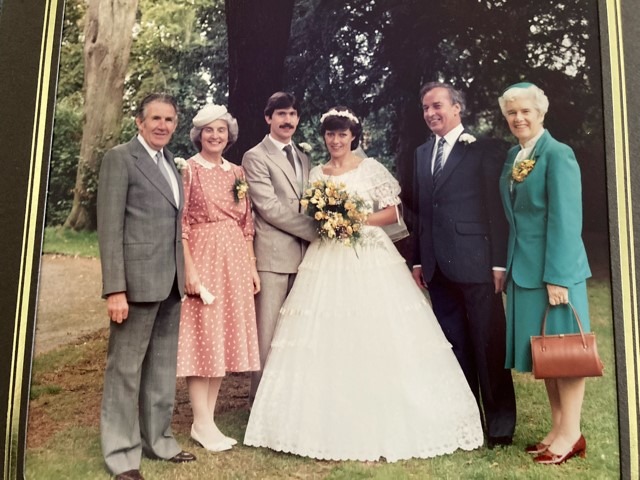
(280, 100)
(155, 97)
(338, 122)
(456, 96)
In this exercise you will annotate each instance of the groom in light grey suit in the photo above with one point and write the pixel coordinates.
(277, 171)
(140, 202)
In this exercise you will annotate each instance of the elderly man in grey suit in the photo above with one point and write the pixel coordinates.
(139, 207)
(277, 172)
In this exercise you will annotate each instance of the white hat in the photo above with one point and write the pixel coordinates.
(208, 114)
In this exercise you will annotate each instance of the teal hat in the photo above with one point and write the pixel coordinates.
(518, 85)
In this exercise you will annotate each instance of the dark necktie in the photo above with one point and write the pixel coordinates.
(437, 165)
(289, 152)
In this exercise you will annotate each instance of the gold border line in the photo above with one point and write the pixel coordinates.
(32, 209)
(625, 222)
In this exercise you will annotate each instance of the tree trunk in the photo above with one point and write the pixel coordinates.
(108, 37)
(258, 35)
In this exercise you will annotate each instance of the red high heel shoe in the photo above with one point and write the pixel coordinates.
(550, 458)
(536, 449)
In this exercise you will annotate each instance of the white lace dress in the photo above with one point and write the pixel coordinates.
(359, 368)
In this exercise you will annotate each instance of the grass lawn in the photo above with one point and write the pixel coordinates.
(63, 431)
(65, 241)
(63, 436)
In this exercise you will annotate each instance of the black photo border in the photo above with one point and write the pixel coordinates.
(30, 32)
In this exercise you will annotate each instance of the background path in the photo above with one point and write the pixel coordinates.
(69, 303)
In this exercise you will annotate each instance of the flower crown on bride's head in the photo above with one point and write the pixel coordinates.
(339, 113)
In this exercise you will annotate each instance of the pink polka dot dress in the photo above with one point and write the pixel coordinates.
(220, 337)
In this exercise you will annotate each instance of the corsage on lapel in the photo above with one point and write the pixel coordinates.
(523, 168)
(181, 164)
(305, 147)
(240, 189)
(466, 138)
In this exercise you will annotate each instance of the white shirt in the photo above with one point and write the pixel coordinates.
(296, 160)
(450, 140)
(174, 182)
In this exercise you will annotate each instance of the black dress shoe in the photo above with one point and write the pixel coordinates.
(493, 442)
(130, 475)
(182, 457)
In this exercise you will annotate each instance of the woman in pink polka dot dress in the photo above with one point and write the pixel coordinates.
(218, 321)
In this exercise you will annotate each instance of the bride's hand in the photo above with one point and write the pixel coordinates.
(192, 280)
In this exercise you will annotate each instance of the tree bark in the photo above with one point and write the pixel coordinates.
(258, 35)
(108, 37)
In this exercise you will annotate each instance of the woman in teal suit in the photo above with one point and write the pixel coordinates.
(546, 260)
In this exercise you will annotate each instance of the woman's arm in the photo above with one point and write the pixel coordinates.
(254, 271)
(386, 216)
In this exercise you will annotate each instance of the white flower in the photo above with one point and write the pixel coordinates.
(305, 147)
(339, 113)
(467, 138)
(180, 162)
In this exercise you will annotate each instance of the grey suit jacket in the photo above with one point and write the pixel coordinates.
(139, 229)
(275, 194)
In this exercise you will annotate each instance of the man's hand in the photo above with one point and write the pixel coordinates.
(499, 277)
(416, 272)
(118, 307)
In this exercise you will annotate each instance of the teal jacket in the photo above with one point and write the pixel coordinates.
(545, 218)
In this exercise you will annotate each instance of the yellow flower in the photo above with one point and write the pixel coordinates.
(319, 216)
(522, 169)
(240, 189)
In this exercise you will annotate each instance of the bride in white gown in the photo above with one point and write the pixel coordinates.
(359, 368)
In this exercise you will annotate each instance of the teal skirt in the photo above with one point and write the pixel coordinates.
(525, 309)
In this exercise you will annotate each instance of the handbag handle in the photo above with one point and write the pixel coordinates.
(576, 316)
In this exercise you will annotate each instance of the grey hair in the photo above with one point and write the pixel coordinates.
(533, 93)
(232, 125)
(456, 96)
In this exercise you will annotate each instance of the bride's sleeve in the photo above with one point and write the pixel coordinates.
(385, 188)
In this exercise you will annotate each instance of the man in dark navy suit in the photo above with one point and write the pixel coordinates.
(460, 252)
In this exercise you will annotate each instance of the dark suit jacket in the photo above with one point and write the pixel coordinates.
(139, 228)
(461, 225)
(547, 246)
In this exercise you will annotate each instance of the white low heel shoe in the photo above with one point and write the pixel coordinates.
(219, 446)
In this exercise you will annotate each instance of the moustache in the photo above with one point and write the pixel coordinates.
(287, 125)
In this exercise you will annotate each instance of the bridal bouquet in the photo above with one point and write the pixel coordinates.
(339, 214)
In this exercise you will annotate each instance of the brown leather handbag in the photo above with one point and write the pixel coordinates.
(565, 355)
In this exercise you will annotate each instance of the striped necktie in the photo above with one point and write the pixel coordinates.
(437, 166)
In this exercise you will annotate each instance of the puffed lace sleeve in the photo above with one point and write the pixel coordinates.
(385, 189)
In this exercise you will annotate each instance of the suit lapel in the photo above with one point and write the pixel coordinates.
(149, 169)
(278, 158)
(169, 156)
(538, 151)
(453, 160)
(306, 166)
(427, 155)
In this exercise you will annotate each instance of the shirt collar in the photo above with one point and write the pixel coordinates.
(225, 165)
(278, 144)
(530, 143)
(453, 135)
(146, 146)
